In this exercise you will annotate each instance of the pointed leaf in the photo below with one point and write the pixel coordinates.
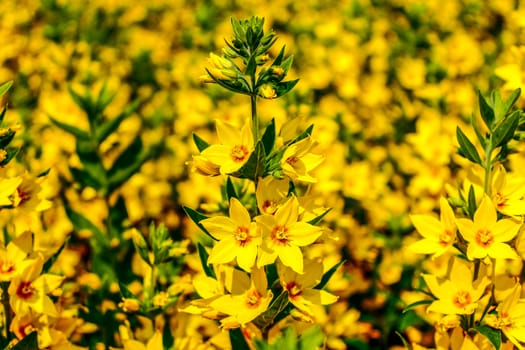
(251, 66)
(287, 64)
(6, 138)
(199, 142)
(304, 134)
(29, 342)
(285, 86)
(84, 103)
(405, 342)
(279, 58)
(203, 256)
(487, 113)
(480, 137)
(230, 189)
(254, 167)
(80, 223)
(197, 217)
(125, 292)
(2, 114)
(11, 153)
(493, 335)
(416, 304)
(328, 274)
(128, 156)
(237, 340)
(472, 206)
(511, 100)
(73, 130)
(503, 132)
(5, 87)
(268, 138)
(318, 219)
(86, 179)
(466, 148)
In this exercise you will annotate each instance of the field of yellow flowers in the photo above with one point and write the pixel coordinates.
(262, 175)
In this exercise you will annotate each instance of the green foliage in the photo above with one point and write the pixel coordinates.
(29, 342)
(311, 339)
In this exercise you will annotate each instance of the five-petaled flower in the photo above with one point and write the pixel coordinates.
(486, 235)
(438, 235)
(234, 148)
(284, 234)
(238, 237)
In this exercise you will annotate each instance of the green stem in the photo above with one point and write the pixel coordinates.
(7, 310)
(255, 119)
(487, 166)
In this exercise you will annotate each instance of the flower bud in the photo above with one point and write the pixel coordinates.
(267, 91)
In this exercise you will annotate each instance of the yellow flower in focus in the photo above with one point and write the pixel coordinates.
(298, 161)
(438, 235)
(459, 294)
(203, 166)
(487, 235)
(250, 298)
(238, 237)
(28, 290)
(267, 91)
(234, 148)
(301, 288)
(283, 235)
(270, 194)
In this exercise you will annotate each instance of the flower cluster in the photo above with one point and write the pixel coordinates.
(272, 222)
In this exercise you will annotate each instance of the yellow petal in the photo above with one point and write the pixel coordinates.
(293, 257)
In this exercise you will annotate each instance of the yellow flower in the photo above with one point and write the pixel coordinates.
(301, 288)
(12, 257)
(283, 235)
(238, 237)
(29, 290)
(270, 193)
(154, 343)
(250, 298)
(298, 161)
(511, 317)
(508, 192)
(8, 188)
(487, 235)
(234, 148)
(222, 68)
(267, 91)
(438, 235)
(457, 295)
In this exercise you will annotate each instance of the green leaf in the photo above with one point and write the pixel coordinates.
(2, 114)
(29, 342)
(11, 153)
(328, 274)
(311, 339)
(80, 223)
(167, 336)
(5, 87)
(304, 134)
(511, 100)
(78, 133)
(230, 189)
(108, 127)
(225, 84)
(405, 342)
(285, 86)
(287, 64)
(416, 304)
(493, 335)
(197, 217)
(6, 138)
(237, 340)
(480, 137)
(504, 132)
(86, 179)
(200, 143)
(472, 206)
(251, 66)
(203, 256)
(487, 113)
(278, 60)
(104, 98)
(268, 138)
(318, 219)
(466, 148)
(84, 102)
(277, 310)
(254, 167)
(128, 156)
(125, 292)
